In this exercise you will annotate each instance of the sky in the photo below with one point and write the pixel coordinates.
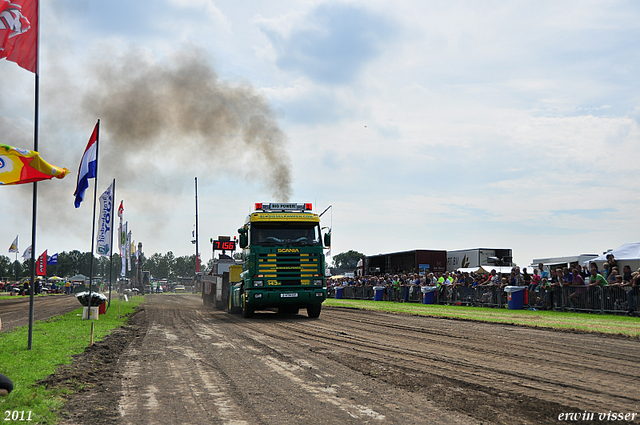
(438, 125)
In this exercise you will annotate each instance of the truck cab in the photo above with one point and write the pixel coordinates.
(283, 263)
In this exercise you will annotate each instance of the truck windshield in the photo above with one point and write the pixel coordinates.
(285, 234)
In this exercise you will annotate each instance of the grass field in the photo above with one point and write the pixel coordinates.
(11, 297)
(54, 342)
(600, 323)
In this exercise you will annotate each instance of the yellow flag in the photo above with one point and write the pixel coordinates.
(18, 166)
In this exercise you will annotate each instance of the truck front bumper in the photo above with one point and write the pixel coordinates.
(264, 298)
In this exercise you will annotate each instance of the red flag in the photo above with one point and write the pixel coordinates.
(41, 264)
(19, 32)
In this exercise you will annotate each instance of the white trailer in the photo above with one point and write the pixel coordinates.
(476, 257)
(553, 263)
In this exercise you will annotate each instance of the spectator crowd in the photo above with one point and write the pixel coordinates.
(579, 287)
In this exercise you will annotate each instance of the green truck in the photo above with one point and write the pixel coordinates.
(283, 264)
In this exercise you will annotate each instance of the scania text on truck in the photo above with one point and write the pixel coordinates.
(283, 263)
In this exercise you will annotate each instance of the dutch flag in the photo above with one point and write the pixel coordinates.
(88, 166)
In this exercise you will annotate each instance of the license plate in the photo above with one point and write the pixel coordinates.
(289, 295)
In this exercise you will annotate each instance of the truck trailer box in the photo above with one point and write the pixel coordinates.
(476, 257)
(417, 261)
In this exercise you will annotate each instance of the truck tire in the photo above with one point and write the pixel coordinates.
(247, 310)
(224, 302)
(219, 304)
(313, 311)
(230, 309)
(208, 298)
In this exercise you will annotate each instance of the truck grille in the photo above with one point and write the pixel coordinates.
(289, 268)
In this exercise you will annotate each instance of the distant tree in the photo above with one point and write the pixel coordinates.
(347, 260)
(185, 266)
(153, 265)
(17, 270)
(85, 264)
(209, 265)
(6, 269)
(70, 263)
(26, 268)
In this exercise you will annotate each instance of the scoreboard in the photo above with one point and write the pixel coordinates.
(224, 245)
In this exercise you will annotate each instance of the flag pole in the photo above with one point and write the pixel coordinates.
(93, 228)
(36, 118)
(113, 208)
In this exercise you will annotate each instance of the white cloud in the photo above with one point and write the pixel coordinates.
(439, 125)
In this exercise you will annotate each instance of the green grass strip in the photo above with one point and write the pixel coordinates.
(598, 323)
(54, 342)
(13, 297)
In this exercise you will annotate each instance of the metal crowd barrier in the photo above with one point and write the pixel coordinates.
(489, 296)
(607, 299)
(551, 298)
(358, 292)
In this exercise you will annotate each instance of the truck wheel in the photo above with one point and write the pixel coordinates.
(232, 310)
(247, 310)
(313, 311)
(219, 305)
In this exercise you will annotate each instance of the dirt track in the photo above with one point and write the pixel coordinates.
(15, 312)
(191, 364)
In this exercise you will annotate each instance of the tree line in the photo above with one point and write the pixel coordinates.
(161, 266)
(73, 263)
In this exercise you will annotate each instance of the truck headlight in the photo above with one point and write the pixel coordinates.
(258, 283)
(317, 282)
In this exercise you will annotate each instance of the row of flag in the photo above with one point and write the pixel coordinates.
(19, 44)
(18, 166)
(43, 259)
(52, 260)
(127, 246)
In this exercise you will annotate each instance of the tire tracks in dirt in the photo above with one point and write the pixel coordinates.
(197, 365)
(564, 370)
(192, 364)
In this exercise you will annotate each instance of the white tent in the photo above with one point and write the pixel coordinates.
(627, 254)
(79, 278)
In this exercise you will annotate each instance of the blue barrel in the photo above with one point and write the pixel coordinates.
(378, 293)
(515, 298)
(429, 297)
(339, 293)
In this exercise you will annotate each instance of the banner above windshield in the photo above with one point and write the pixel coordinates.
(284, 217)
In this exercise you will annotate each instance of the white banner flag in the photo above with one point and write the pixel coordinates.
(105, 225)
(129, 253)
(14, 246)
(123, 250)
